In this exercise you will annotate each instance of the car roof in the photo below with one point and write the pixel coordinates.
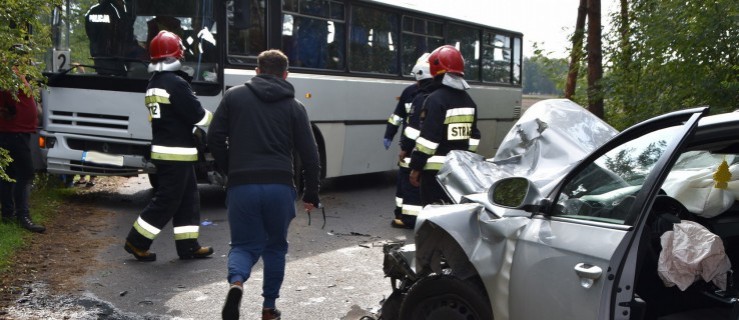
(717, 133)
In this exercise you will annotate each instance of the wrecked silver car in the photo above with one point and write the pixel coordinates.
(573, 221)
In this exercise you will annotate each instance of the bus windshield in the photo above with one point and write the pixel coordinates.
(111, 37)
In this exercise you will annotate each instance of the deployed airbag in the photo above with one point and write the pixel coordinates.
(690, 252)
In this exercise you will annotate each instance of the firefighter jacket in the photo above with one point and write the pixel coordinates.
(174, 111)
(401, 112)
(412, 123)
(448, 122)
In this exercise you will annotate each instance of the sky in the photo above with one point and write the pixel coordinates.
(545, 22)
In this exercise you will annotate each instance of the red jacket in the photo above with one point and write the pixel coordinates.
(25, 116)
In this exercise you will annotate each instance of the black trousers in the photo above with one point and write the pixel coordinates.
(14, 195)
(411, 198)
(176, 199)
(431, 190)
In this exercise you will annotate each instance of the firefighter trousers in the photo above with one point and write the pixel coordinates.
(431, 190)
(176, 199)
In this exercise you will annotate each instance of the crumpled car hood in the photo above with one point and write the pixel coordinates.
(548, 139)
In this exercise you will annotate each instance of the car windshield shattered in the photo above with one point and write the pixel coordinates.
(550, 137)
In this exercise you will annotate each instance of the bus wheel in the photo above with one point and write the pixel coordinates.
(153, 181)
(444, 297)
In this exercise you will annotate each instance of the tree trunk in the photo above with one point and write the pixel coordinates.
(624, 26)
(576, 53)
(595, 60)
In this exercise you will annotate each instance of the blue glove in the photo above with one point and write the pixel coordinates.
(386, 142)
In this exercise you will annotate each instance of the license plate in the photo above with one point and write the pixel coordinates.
(102, 158)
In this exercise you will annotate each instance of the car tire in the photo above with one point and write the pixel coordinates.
(391, 306)
(445, 297)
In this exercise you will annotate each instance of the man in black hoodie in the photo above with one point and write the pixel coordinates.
(252, 137)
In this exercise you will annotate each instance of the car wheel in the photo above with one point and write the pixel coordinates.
(391, 306)
(443, 297)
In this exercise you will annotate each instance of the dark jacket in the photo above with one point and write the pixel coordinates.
(412, 124)
(401, 112)
(255, 130)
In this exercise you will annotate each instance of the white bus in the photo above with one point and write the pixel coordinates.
(349, 61)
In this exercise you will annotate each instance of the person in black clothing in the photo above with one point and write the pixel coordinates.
(174, 111)
(448, 122)
(397, 121)
(412, 204)
(255, 131)
(18, 120)
(407, 198)
(109, 30)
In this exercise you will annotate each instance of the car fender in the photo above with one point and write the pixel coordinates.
(485, 241)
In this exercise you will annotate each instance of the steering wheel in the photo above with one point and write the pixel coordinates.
(666, 212)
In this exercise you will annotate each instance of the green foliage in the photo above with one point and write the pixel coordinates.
(24, 23)
(45, 198)
(555, 70)
(5, 160)
(535, 81)
(680, 54)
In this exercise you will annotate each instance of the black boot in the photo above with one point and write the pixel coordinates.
(26, 222)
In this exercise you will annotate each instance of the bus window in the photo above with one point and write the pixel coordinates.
(497, 58)
(109, 28)
(517, 60)
(419, 36)
(246, 30)
(374, 41)
(313, 34)
(467, 40)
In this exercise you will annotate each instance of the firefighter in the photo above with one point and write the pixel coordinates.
(448, 122)
(410, 197)
(174, 112)
(398, 118)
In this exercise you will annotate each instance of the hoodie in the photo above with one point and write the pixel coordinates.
(255, 131)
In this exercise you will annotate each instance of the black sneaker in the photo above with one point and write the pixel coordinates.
(233, 302)
(271, 314)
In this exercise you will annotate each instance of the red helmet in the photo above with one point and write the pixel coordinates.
(165, 45)
(446, 59)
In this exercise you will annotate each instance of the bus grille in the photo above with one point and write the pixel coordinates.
(108, 147)
(89, 120)
(516, 112)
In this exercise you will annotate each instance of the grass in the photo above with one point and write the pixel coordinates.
(45, 197)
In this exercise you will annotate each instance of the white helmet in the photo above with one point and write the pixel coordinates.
(421, 69)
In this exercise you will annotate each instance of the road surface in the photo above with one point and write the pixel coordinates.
(333, 272)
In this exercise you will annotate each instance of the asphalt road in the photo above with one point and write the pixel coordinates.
(332, 273)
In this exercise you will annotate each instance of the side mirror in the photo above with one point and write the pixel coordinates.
(515, 193)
